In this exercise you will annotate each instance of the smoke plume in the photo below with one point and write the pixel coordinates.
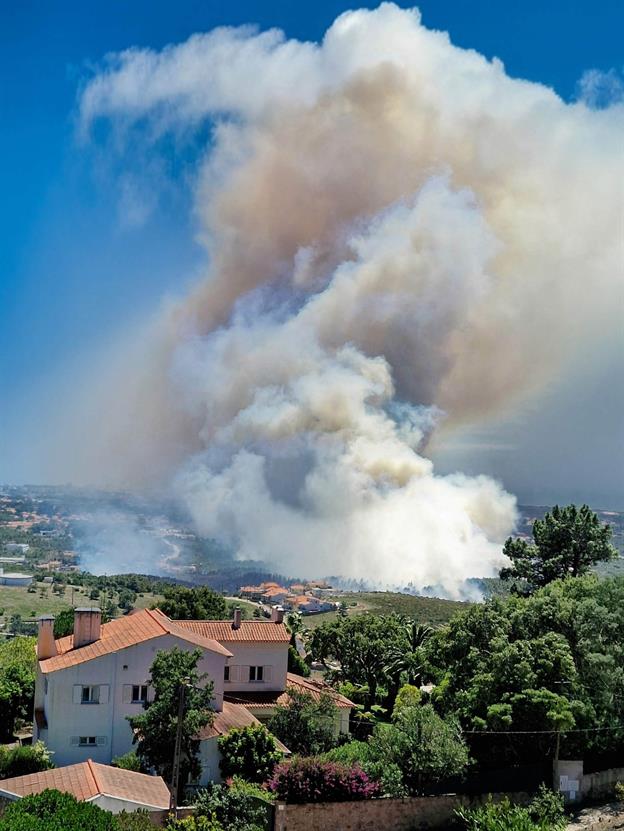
(399, 236)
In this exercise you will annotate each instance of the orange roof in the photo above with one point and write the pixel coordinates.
(303, 598)
(233, 715)
(89, 779)
(143, 625)
(268, 700)
(260, 631)
(274, 591)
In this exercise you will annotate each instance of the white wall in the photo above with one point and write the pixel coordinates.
(116, 806)
(107, 720)
(274, 655)
(210, 757)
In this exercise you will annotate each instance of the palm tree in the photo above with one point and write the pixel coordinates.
(406, 660)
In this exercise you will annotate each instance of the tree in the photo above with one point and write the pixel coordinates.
(17, 683)
(296, 663)
(197, 603)
(64, 623)
(566, 543)
(129, 761)
(423, 746)
(547, 663)
(156, 727)
(51, 810)
(407, 662)
(361, 645)
(305, 725)
(249, 752)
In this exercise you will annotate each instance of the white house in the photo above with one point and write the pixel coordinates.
(90, 682)
(111, 789)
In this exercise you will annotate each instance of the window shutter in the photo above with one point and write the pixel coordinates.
(267, 672)
(100, 741)
(126, 696)
(103, 694)
(234, 673)
(74, 741)
(150, 694)
(77, 693)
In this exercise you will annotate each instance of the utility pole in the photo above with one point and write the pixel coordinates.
(177, 752)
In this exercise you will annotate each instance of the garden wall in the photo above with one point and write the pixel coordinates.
(413, 814)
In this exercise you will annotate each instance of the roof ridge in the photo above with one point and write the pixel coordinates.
(91, 769)
(156, 619)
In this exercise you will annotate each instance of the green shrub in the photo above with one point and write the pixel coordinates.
(545, 813)
(129, 761)
(243, 806)
(193, 824)
(619, 791)
(249, 752)
(51, 810)
(134, 821)
(25, 759)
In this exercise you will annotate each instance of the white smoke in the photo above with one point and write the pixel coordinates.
(397, 230)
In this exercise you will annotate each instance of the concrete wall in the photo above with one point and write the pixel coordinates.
(429, 812)
(600, 785)
(210, 757)
(257, 654)
(107, 720)
(577, 786)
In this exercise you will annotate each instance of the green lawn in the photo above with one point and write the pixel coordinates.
(431, 610)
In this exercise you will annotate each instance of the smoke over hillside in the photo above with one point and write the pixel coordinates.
(399, 236)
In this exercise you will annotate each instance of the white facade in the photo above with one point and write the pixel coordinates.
(272, 657)
(77, 731)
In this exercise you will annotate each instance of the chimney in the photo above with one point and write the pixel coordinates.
(86, 626)
(237, 618)
(277, 614)
(46, 647)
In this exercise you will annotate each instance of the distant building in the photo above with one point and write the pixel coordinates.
(16, 547)
(14, 578)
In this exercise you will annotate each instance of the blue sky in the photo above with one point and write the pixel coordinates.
(71, 270)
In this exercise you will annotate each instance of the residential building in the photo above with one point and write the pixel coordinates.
(16, 547)
(90, 682)
(111, 789)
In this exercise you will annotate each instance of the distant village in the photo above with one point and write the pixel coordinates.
(305, 598)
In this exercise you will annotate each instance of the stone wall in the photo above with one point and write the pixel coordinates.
(601, 785)
(413, 814)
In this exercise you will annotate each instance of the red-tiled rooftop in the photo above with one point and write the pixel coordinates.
(268, 700)
(232, 716)
(88, 780)
(260, 631)
(143, 625)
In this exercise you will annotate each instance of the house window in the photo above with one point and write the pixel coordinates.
(87, 741)
(90, 695)
(226, 673)
(256, 673)
(139, 693)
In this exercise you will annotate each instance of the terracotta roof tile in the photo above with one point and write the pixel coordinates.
(262, 631)
(87, 780)
(126, 631)
(232, 716)
(268, 700)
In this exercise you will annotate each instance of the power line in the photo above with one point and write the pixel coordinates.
(540, 732)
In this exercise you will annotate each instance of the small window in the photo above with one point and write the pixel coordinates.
(226, 673)
(87, 741)
(256, 673)
(90, 695)
(139, 693)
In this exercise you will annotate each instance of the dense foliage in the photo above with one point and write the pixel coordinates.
(129, 761)
(318, 780)
(249, 752)
(64, 623)
(566, 543)
(55, 811)
(197, 603)
(242, 806)
(545, 813)
(17, 683)
(362, 646)
(155, 728)
(550, 662)
(24, 759)
(305, 725)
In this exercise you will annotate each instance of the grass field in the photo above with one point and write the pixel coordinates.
(431, 610)
(17, 600)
